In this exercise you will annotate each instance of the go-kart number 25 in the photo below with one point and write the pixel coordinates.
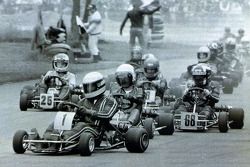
(46, 100)
(190, 120)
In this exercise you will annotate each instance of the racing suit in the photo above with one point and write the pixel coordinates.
(68, 78)
(136, 96)
(136, 16)
(100, 108)
(94, 31)
(160, 83)
(206, 108)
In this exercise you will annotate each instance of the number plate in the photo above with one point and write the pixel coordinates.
(63, 120)
(150, 96)
(189, 121)
(46, 101)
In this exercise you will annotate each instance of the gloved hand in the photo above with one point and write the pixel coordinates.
(47, 78)
(128, 96)
(124, 125)
(206, 92)
(63, 81)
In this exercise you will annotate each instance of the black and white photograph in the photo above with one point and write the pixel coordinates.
(139, 83)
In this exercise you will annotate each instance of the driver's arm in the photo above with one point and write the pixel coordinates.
(46, 76)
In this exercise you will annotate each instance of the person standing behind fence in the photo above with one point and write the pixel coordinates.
(136, 16)
(94, 29)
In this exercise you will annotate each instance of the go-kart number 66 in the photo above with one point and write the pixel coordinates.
(46, 100)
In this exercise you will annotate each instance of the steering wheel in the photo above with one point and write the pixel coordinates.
(51, 78)
(196, 96)
(70, 107)
(123, 102)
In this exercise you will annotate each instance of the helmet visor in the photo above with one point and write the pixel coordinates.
(124, 79)
(88, 88)
(61, 63)
(202, 55)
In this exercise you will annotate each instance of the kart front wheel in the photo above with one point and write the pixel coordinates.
(86, 144)
(222, 122)
(236, 116)
(137, 140)
(166, 121)
(23, 103)
(150, 127)
(18, 142)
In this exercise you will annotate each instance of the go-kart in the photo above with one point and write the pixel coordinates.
(31, 97)
(153, 111)
(100, 134)
(221, 117)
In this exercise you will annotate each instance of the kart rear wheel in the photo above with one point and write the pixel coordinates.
(150, 127)
(86, 144)
(236, 115)
(23, 103)
(137, 140)
(166, 119)
(18, 145)
(222, 122)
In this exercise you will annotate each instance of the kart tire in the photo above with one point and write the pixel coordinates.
(236, 115)
(137, 140)
(27, 89)
(228, 89)
(166, 119)
(18, 146)
(150, 127)
(23, 102)
(223, 122)
(86, 144)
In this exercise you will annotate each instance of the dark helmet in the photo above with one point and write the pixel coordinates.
(151, 68)
(91, 7)
(213, 47)
(241, 31)
(201, 75)
(136, 54)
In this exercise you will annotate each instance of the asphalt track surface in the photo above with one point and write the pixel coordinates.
(195, 149)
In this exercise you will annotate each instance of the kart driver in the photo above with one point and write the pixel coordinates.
(201, 76)
(125, 77)
(59, 77)
(152, 73)
(95, 105)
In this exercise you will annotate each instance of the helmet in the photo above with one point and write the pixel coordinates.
(151, 68)
(245, 40)
(93, 84)
(91, 6)
(201, 74)
(125, 75)
(146, 56)
(213, 47)
(203, 54)
(230, 44)
(241, 31)
(136, 53)
(60, 62)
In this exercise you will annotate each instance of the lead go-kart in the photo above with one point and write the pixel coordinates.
(32, 98)
(99, 135)
(154, 114)
(221, 117)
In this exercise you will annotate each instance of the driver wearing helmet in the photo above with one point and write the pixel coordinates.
(94, 106)
(136, 57)
(227, 34)
(240, 35)
(201, 77)
(152, 73)
(125, 77)
(59, 77)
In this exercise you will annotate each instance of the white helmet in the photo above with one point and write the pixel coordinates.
(136, 53)
(203, 54)
(93, 84)
(125, 75)
(245, 40)
(61, 62)
(230, 44)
